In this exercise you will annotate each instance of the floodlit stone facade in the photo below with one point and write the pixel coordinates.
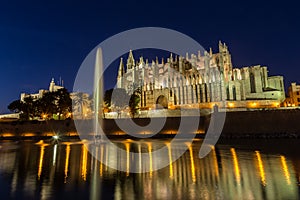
(200, 81)
(52, 88)
(293, 98)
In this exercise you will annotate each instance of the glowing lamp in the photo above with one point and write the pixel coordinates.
(55, 137)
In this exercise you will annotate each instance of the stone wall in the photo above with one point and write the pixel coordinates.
(268, 123)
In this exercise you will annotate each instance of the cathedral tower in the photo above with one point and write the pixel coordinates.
(121, 72)
(130, 61)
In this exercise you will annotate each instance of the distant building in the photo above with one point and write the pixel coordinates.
(9, 116)
(208, 79)
(293, 98)
(81, 101)
(52, 88)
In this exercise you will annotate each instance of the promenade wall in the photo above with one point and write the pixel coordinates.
(268, 123)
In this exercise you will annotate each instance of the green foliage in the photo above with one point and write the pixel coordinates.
(133, 104)
(64, 102)
(120, 99)
(117, 97)
(51, 103)
(15, 106)
(81, 101)
(107, 97)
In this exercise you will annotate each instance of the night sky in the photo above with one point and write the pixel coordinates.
(41, 40)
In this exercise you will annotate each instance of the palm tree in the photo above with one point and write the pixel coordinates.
(81, 104)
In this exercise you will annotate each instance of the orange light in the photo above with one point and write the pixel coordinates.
(261, 168)
(236, 165)
(276, 104)
(285, 170)
(84, 162)
(253, 104)
(68, 149)
(192, 163)
(231, 105)
(41, 161)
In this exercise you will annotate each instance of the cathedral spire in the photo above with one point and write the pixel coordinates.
(141, 60)
(130, 61)
(210, 51)
(121, 68)
(220, 47)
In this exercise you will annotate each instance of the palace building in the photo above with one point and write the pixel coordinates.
(200, 80)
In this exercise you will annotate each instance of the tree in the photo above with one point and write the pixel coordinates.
(82, 102)
(107, 97)
(15, 106)
(28, 108)
(63, 102)
(50, 103)
(117, 98)
(134, 101)
(47, 105)
(133, 104)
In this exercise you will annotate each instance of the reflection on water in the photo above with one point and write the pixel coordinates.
(67, 170)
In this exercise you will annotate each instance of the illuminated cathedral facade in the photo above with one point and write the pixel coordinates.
(200, 80)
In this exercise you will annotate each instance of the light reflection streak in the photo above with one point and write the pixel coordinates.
(42, 151)
(262, 177)
(54, 154)
(215, 161)
(150, 158)
(140, 157)
(192, 163)
(236, 165)
(68, 149)
(170, 160)
(84, 163)
(285, 170)
(106, 157)
(101, 160)
(127, 146)
(261, 168)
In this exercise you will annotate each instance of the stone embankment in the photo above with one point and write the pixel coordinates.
(244, 124)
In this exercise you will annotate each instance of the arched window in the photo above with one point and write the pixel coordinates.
(227, 93)
(234, 92)
(205, 92)
(252, 83)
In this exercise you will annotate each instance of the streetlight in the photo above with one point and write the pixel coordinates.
(55, 137)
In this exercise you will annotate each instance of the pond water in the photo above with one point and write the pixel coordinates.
(234, 169)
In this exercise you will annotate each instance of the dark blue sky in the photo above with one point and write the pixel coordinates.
(41, 40)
